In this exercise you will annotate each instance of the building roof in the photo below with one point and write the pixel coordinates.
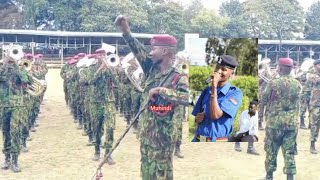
(289, 42)
(70, 33)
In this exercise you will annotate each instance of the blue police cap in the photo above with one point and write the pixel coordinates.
(227, 60)
(316, 62)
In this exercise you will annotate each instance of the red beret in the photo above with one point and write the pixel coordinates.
(100, 51)
(75, 57)
(91, 55)
(40, 55)
(286, 62)
(29, 55)
(68, 58)
(82, 54)
(163, 40)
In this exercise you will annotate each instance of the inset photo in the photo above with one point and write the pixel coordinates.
(224, 92)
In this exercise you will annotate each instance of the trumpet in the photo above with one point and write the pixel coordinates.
(112, 60)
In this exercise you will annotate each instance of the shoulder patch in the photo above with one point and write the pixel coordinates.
(234, 101)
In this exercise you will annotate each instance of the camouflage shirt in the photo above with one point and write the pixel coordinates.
(314, 83)
(157, 127)
(13, 81)
(281, 99)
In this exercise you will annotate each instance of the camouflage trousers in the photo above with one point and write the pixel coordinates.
(86, 116)
(179, 128)
(136, 96)
(286, 139)
(304, 105)
(97, 111)
(127, 102)
(156, 164)
(34, 112)
(1, 117)
(65, 89)
(74, 100)
(315, 123)
(11, 130)
(25, 122)
(110, 119)
(117, 98)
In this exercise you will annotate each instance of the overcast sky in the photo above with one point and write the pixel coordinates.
(215, 4)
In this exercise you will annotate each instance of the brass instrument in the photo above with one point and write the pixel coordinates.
(13, 52)
(182, 62)
(267, 80)
(112, 60)
(26, 64)
(36, 88)
(133, 71)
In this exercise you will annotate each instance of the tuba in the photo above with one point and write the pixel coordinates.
(26, 64)
(36, 88)
(133, 71)
(13, 52)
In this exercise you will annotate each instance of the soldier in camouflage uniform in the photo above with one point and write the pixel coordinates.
(314, 82)
(72, 78)
(158, 133)
(281, 100)
(13, 80)
(305, 99)
(125, 96)
(64, 69)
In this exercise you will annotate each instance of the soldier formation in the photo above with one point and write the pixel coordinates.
(96, 90)
(285, 98)
(20, 100)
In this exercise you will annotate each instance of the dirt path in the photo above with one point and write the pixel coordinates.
(59, 152)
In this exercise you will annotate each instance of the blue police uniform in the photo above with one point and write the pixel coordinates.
(230, 100)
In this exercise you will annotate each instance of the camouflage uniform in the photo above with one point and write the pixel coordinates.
(72, 89)
(305, 99)
(85, 98)
(262, 87)
(63, 74)
(25, 121)
(314, 83)
(282, 112)
(158, 130)
(136, 103)
(125, 96)
(12, 81)
(97, 90)
(41, 69)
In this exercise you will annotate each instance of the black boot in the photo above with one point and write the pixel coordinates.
(24, 147)
(302, 124)
(109, 159)
(7, 162)
(90, 140)
(177, 151)
(269, 176)
(15, 166)
(96, 155)
(290, 177)
(313, 148)
(33, 129)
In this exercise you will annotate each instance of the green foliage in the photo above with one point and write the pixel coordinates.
(248, 84)
(245, 50)
(312, 26)
(197, 77)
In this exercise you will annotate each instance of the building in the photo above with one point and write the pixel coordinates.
(298, 50)
(61, 44)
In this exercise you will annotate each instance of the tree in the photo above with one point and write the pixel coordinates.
(167, 18)
(99, 15)
(274, 19)
(36, 13)
(237, 24)
(11, 16)
(193, 10)
(312, 24)
(208, 24)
